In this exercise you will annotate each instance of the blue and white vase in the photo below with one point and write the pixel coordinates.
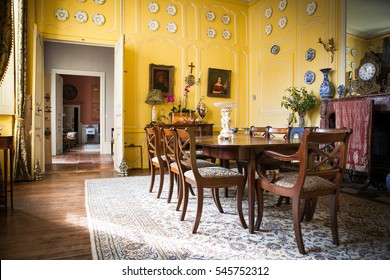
(340, 91)
(326, 88)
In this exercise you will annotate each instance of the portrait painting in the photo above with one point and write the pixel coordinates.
(219, 83)
(161, 77)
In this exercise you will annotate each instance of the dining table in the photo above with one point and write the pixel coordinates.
(247, 148)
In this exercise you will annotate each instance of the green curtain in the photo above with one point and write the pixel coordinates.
(6, 29)
(22, 151)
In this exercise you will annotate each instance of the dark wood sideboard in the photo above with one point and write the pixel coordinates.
(379, 160)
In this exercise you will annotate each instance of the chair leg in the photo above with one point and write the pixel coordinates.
(333, 218)
(171, 185)
(260, 206)
(152, 175)
(161, 182)
(198, 210)
(217, 201)
(296, 208)
(186, 186)
(180, 192)
(280, 200)
(239, 197)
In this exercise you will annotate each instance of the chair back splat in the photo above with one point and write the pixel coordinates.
(322, 160)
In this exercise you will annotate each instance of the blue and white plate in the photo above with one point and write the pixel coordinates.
(309, 77)
(275, 49)
(310, 54)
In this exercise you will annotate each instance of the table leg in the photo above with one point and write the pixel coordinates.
(251, 194)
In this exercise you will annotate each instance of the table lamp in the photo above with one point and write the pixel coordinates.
(154, 97)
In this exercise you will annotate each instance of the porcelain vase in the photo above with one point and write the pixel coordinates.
(301, 119)
(326, 88)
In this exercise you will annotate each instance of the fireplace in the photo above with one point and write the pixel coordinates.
(379, 134)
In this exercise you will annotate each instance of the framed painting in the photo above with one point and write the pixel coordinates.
(219, 83)
(161, 77)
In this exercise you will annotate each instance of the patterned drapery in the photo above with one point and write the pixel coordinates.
(22, 153)
(6, 30)
(356, 114)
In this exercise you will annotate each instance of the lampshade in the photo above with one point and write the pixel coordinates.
(155, 96)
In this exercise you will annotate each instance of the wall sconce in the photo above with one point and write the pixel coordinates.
(329, 47)
(47, 97)
(190, 79)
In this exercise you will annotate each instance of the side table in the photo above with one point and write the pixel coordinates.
(6, 144)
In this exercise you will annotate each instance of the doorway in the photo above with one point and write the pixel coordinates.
(58, 124)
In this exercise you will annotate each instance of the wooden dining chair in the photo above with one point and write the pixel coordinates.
(311, 181)
(156, 157)
(170, 148)
(214, 178)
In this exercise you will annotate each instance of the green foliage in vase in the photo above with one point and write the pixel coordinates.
(300, 101)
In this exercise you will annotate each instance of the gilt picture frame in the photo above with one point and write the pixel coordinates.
(219, 81)
(161, 77)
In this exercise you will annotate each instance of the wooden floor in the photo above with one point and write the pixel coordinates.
(48, 220)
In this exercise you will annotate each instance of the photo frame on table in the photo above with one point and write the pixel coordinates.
(219, 81)
(161, 77)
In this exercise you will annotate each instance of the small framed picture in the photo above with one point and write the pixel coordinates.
(161, 77)
(219, 83)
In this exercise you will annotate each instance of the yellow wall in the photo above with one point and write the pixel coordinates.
(259, 78)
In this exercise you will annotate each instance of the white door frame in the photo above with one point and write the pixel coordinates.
(102, 77)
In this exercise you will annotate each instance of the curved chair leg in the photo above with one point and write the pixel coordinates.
(161, 182)
(171, 185)
(186, 186)
(180, 193)
(217, 201)
(296, 207)
(152, 175)
(199, 210)
(333, 218)
(239, 196)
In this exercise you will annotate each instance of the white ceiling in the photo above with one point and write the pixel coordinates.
(368, 18)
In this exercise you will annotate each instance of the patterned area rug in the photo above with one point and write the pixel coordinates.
(128, 222)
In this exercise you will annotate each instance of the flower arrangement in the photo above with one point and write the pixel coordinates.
(179, 108)
(299, 100)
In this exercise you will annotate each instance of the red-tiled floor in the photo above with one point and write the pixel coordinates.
(82, 158)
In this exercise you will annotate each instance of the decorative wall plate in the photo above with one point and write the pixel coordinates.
(210, 16)
(311, 8)
(268, 13)
(353, 65)
(353, 52)
(225, 19)
(62, 14)
(98, 19)
(347, 50)
(268, 29)
(82, 0)
(275, 49)
(282, 22)
(81, 16)
(310, 54)
(226, 34)
(347, 63)
(153, 25)
(171, 27)
(99, 2)
(282, 5)
(153, 7)
(211, 32)
(309, 77)
(171, 10)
